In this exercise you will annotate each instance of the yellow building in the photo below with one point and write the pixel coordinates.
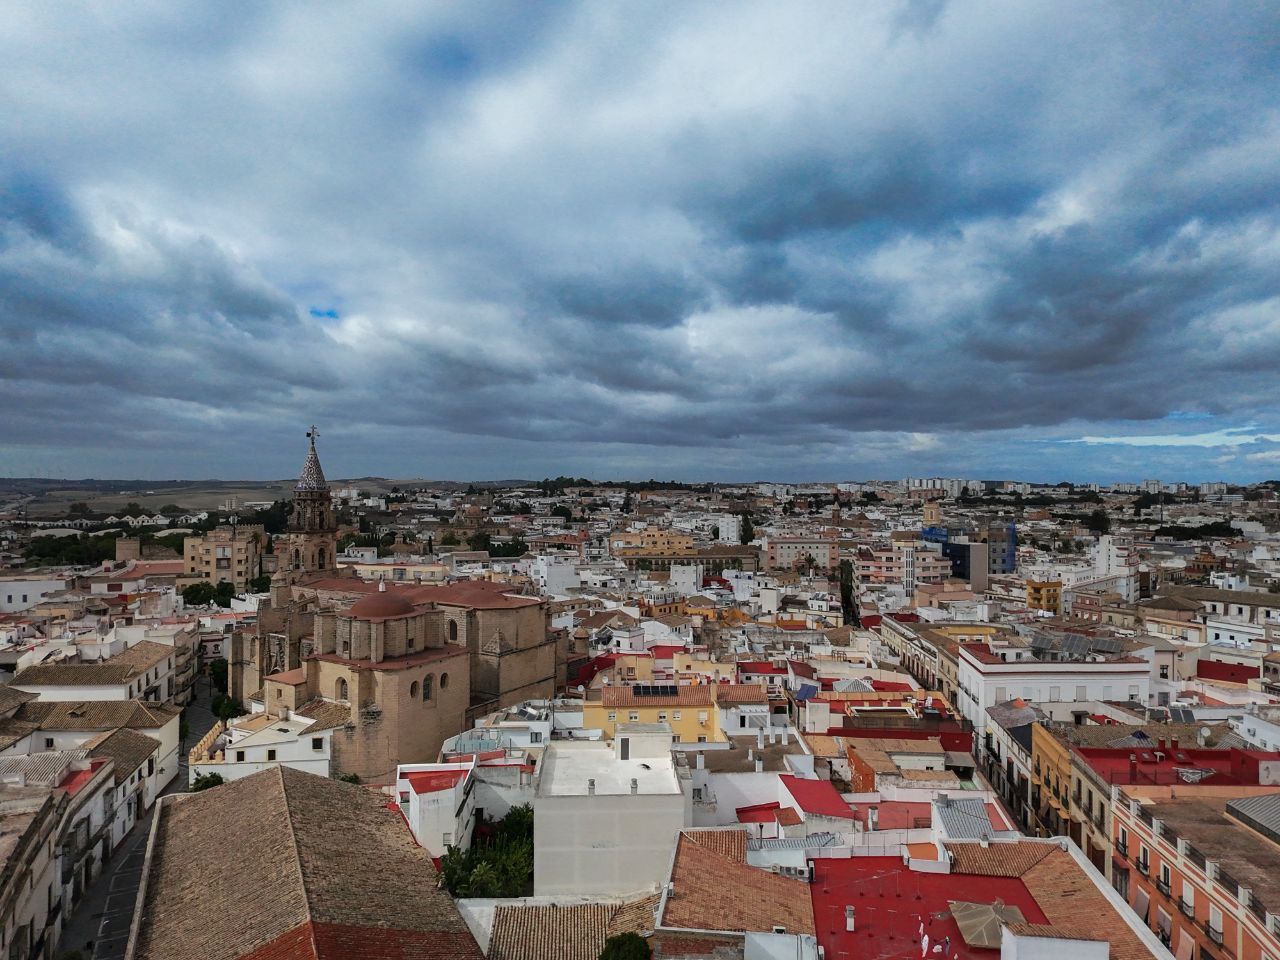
(652, 542)
(226, 553)
(1051, 782)
(1045, 595)
(702, 669)
(693, 712)
(631, 668)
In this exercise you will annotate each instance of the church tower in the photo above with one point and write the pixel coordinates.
(311, 538)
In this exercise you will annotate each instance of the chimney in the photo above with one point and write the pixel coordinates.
(635, 786)
(784, 736)
(591, 787)
(1133, 768)
(759, 765)
(702, 760)
(1173, 743)
(760, 739)
(849, 924)
(751, 754)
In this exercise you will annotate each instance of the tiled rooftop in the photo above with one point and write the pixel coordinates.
(715, 889)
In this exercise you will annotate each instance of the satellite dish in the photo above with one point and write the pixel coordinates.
(1205, 732)
(581, 688)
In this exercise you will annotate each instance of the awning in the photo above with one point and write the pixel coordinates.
(982, 924)
(1119, 862)
(1186, 946)
(1141, 903)
(1164, 921)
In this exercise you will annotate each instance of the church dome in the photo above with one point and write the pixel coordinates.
(382, 605)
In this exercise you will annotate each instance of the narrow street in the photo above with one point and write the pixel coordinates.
(99, 925)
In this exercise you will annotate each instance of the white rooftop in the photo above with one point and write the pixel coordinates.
(567, 767)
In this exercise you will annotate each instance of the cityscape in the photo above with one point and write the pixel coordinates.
(568, 718)
(617, 481)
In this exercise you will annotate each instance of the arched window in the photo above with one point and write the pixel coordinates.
(413, 690)
(340, 689)
(320, 559)
(426, 687)
(444, 680)
(297, 559)
(453, 631)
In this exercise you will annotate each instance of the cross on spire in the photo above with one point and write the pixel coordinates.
(312, 434)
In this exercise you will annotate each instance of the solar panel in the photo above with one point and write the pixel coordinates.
(654, 690)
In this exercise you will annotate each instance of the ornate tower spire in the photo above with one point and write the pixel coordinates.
(312, 528)
(312, 477)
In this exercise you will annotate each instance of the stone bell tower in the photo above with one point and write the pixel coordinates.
(311, 539)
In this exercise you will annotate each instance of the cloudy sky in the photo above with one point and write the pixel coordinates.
(730, 241)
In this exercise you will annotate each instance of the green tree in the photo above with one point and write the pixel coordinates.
(515, 547)
(218, 674)
(848, 604)
(478, 541)
(204, 781)
(82, 550)
(260, 584)
(562, 511)
(224, 708)
(748, 532)
(78, 509)
(350, 778)
(1098, 522)
(450, 539)
(199, 594)
(223, 593)
(626, 946)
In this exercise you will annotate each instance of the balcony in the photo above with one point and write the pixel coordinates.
(1122, 848)
(1188, 909)
(1143, 866)
(1214, 935)
(1163, 887)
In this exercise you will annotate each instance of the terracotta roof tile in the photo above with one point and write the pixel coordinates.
(565, 931)
(1070, 900)
(549, 931)
(304, 872)
(122, 668)
(714, 889)
(997, 859)
(128, 748)
(695, 695)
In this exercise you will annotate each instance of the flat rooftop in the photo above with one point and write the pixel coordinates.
(567, 766)
(742, 755)
(1253, 860)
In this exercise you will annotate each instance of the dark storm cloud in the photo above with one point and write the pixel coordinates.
(822, 240)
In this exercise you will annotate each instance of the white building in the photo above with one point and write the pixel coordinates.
(604, 825)
(438, 802)
(303, 740)
(1260, 726)
(144, 671)
(20, 593)
(987, 678)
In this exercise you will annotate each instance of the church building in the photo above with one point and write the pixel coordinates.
(414, 663)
